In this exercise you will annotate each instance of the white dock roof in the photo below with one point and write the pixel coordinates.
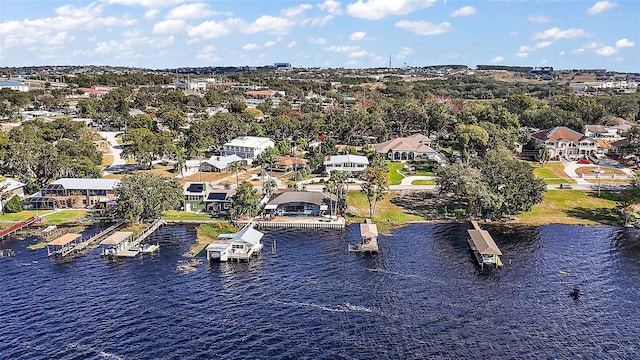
(368, 230)
(116, 238)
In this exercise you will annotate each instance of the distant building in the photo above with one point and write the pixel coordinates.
(14, 85)
(564, 142)
(351, 164)
(406, 148)
(282, 66)
(601, 132)
(213, 164)
(248, 147)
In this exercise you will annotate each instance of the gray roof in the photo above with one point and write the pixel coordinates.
(87, 184)
(312, 197)
(344, 159)
(11, 185)
(484, 242)
(11, 83)
(248, 235)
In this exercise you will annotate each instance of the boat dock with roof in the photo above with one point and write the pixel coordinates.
(240, 246)
(64, 245)
(117, 244)
(484, 249)
(369, 235)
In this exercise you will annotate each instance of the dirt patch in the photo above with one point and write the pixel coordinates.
(421, 203)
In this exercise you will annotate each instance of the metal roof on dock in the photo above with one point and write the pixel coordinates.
(64, 239)
(484, 242)
(116, 238)
(368, 230)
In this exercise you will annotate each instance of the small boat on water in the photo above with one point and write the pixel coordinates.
(149, 248)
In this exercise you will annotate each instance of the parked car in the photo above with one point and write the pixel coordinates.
(566, 186)
(584, 161)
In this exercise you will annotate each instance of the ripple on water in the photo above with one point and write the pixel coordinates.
(421, 297)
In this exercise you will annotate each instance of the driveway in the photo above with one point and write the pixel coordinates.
(118, 164)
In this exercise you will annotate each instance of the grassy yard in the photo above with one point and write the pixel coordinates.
(387, 213)
(423, 182)
(394, 177)
(571, 207)
(552, 173)
(65, 216)
(181, 215)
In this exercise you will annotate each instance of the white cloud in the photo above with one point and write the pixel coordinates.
(343, 48)
(606, 51)
(295, 10)
(208, 54)
(132, 45)
(537, 46)
(269, 44)
(58, 28)
(600, 6)
(212, 29)
(250, 46)
(292, 44)
(169, 26)
(377, 9)
(331, 6)
(321, 21)
(151, 14)
(497, 59)
(318, 41)
(153, 4)
(357, 54)
(358, 35)
(190, 11)
(577, 51)
(540, 19)
(513, 33)
(522, 54)
(622, 43)
(424, 28)
(556, 33)
(272, 24)
(404, 52)
(464, 11)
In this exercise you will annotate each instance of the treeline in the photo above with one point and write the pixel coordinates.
(523, 69)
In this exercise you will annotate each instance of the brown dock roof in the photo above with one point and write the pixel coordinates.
(116, 238)
(64, 239)
(484, 242)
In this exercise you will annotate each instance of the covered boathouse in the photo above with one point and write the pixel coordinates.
(116, 243)
(63, 245)
(240, 246)
(484, 248)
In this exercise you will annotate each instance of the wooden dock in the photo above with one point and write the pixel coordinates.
(369, 236)
(313, 224)
(6, 232)
(138, 239)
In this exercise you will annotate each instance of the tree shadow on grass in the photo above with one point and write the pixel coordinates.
(603, 216)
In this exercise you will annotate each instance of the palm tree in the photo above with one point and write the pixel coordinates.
(236, 165)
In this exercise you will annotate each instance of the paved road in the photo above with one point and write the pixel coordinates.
(118, 163)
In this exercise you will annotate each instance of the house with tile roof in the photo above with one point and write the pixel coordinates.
(563, 142)
(406, 148)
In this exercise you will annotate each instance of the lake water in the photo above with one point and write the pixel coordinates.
(422, 297)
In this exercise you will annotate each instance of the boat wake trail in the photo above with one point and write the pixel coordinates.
(346, 307)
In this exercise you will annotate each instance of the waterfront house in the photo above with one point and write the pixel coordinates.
(213, 164)
(287, 163)
(75, 193)
(564, 142)
(300, 203)
(248, 147)
(353, 165)
(240, 246)
(412, 147)
(194, 194)
(218, 201)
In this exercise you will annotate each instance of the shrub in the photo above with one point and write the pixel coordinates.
(13, 205)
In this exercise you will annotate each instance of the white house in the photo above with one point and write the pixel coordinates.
(602, 132)
(240, 246)
(351, 164)
(248, 147)
(213, 164)
(14, 85)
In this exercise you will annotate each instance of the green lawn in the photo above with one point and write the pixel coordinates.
(571, 207)
(387, 214)
(180, 215)
(394, 177)
(552, 173)
(423, 182)
(22, 215)
(65, 216)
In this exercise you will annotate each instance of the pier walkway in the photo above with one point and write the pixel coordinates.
(6, 232)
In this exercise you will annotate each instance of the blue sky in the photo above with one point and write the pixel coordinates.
(321, 33)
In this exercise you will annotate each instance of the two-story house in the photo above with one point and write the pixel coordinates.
(353, 165)
(248, 147)
(563, 142)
